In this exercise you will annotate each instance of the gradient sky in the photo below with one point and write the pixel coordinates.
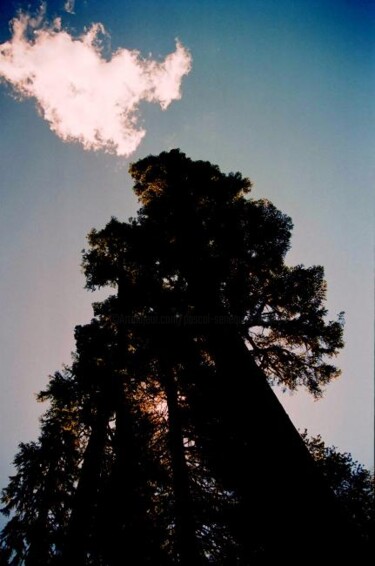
(280, 90)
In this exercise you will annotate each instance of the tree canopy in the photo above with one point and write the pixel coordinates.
(222, 253)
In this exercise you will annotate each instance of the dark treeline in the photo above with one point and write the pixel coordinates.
(163, 442)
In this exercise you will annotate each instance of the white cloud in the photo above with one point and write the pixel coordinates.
(83, 96)
(69, 6)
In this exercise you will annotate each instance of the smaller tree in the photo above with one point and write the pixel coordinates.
(38, 496)
(352, 483)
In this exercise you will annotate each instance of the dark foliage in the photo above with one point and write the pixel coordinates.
(352, 483)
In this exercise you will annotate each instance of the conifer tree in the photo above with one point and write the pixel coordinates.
(170, 444)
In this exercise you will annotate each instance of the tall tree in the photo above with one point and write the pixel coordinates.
(211, 252)
(179, 437)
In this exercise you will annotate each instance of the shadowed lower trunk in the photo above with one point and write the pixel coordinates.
(124, 511)
(186, 541)
(81, 521)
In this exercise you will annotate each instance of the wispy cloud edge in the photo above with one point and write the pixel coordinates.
(69, 6)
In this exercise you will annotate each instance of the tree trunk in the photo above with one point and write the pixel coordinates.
(81, 520)
(124, 511)
(186, 540)
(286, 505)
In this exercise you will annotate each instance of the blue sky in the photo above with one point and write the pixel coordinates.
(282, 91)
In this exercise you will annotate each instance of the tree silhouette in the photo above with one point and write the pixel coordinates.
(39, 495)
(176, 437)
